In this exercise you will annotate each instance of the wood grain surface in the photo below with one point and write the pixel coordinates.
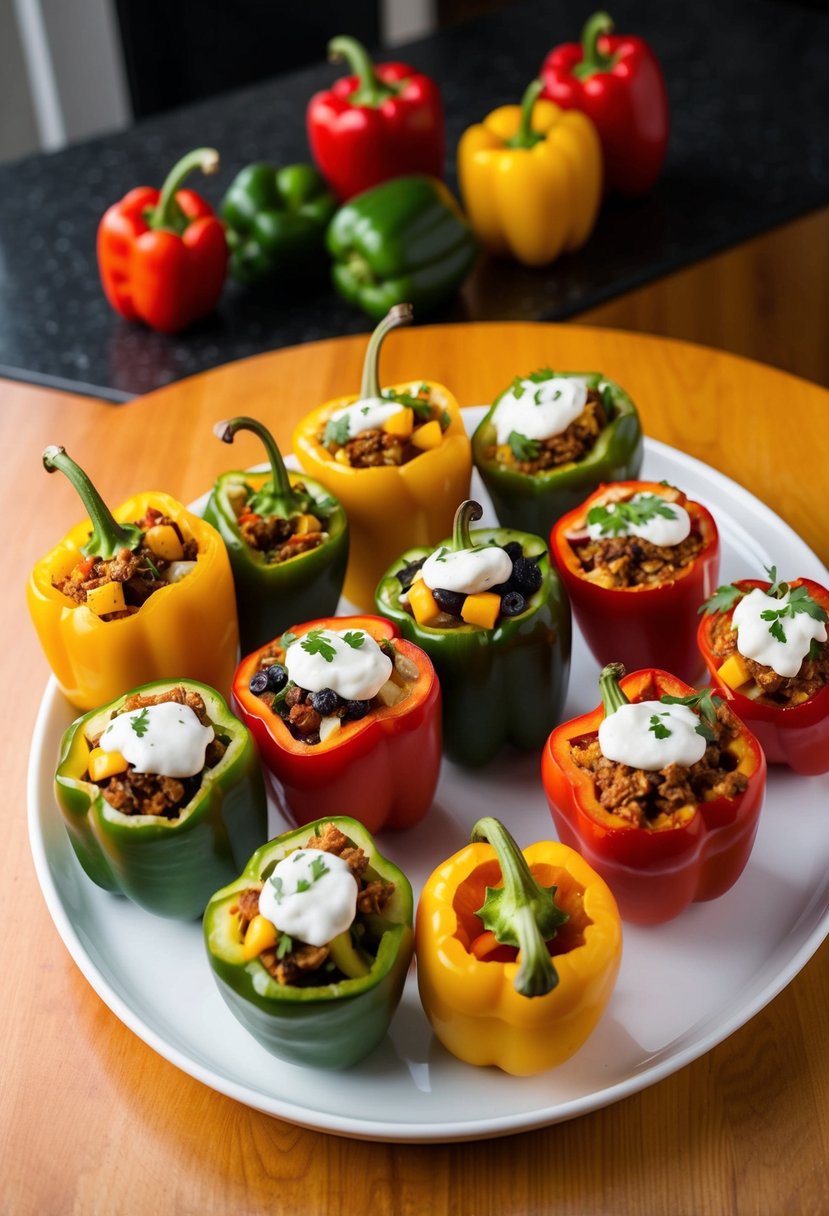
(93, 1122)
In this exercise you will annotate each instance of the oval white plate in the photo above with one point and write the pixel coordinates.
(683, 987)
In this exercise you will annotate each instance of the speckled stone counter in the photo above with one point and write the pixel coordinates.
(749, 90)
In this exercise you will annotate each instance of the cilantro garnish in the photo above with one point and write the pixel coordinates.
(617, 518)
(302, 884)
(705, 704)
(278, 888)
(355, 638)
(141, 722)
(318, 868)
(658, 727)
(722, 600)
(522, 447)
(336, 432)
(422, 406)
(543, 373)
(315, 643)
(287, 639)
(284, 946)
(799, 601)
(153, 569)
(517, 388)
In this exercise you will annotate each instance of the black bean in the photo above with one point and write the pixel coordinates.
(513, 604)
(356, 709)
(449, 601)
(526, 576)
(259, 683)
(325, 702)
(277, 677)
(405, 575)
(513, 550)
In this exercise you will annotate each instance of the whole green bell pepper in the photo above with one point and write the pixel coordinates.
(403, 241)
(501, 685)
(535, 501)
(332, 1023)
(275, 221)
(167, 866)
(273, 594)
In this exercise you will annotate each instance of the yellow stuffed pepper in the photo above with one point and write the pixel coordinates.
(531, 179)
(144, 594)
(399, 461)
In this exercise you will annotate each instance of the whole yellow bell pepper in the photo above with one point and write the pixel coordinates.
(186, 630)
(392, 507)
(517, 954)
(531, 179)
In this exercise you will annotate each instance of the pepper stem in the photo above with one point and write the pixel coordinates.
(609, 687)
(522, 913)
(400, 314)
(167, 213)
(371, 90)
(276, 496)
(108, 536)
(525, 136)
(593, 60)
(465, 514)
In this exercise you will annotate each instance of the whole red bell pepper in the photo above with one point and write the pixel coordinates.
(382, 769)
(383, 121)
(617, 81)
(648, 625)
(792, 734)
(655, 872)
(162, 254)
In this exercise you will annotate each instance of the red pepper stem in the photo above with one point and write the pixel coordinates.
(108, 536)
(277, 496)
(400, 314)
(371, 90)
(166, 212)
(609, 687)
(465, 514)
(593, 60)
(525, 136)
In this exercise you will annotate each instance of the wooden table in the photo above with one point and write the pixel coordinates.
(93, 1121)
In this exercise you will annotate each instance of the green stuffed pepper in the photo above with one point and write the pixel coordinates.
(310, 947)
(492, 615)
(287, 539)
(550, 439)
(162, 795)
(275, 220)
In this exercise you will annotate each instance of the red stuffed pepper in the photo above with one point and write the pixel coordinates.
(347, 716)
(765, 644)
(662, 831)
(637, 559)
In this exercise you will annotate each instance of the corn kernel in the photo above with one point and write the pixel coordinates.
(427, 436)
(734, 672)
(102, 764)
(163, 540)
(401, 424)
(306, 524)
(481, 609)
(260, 935)
(109, 597)
(423, 604)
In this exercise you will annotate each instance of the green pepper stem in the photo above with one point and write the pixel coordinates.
(277, 496)
(108, 536)
(593, 60)
(166, 213)
(465, 514)
(400, 314)
(525, 906)
(371, 90)
(525, 136)
(609, 687)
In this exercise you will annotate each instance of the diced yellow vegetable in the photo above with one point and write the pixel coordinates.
(422, 603)
(390, 694)
(109, 597)
(163, 540)
(261, 935)
(306, 524)
(102, 764)
(427, 436)
(341, 456)
(734, 672)
(401, 424)
(481, 609)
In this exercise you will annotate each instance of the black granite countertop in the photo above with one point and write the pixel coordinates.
(749, 90)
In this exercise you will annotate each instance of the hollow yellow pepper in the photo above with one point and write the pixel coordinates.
(527, 1013)
(187, 630)
(390, 508)
(531, 179)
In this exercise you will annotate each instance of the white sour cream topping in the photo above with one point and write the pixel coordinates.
(659, 531)
(355, 672)
(542, 410)
(755, 642)
(311, 895)
(626, 736)
(167, 739)
(467, 570)
(367, 415)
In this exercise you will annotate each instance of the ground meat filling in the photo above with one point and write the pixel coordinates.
(276, 538)
(377, 447)
(572, 445)
(300, 964)
(774, 689)
(660, 800)
(134, 793)
(140, 571)
(627, 561)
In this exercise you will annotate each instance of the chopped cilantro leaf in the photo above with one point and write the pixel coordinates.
(522, 447)
(723, 599)
(284, 946)
(617, 518)
(315, 643)
(658, 727)
(355, 638)
(141, 722)
(336, 432)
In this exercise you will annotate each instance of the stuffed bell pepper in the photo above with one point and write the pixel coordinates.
(637, 559)
(491, 613)
(347, 716)
(311, 945)
(765, 644)
(517, 952)
(144, 594)
(162, 795)
(286, 537)
(398, 460)
(660, 789)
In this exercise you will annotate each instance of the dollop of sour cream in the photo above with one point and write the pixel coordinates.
(311, 895)
(347, 660)
(755, 641)
(467, 570)
(539, 409)
(167, 739)
(367, 415)
(635, 735)
(659, 530)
